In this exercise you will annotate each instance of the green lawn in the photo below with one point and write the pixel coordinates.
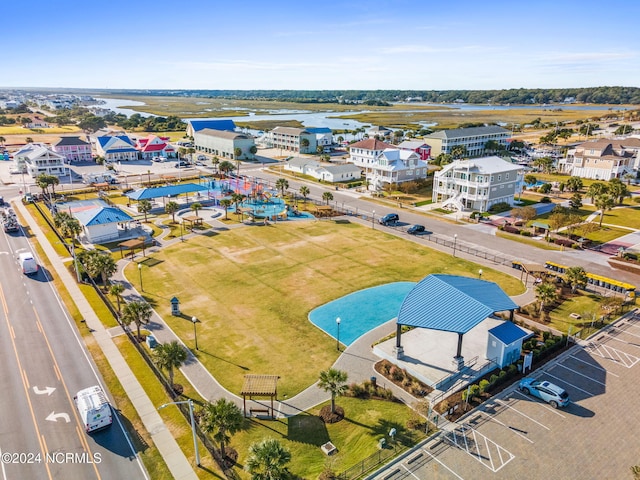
(624, 216)
(356, 437)
(542, 244)
(584, 305)
(253, 287)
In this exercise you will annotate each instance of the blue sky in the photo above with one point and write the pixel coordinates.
(391, 44)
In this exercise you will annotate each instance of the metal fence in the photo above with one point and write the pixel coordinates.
(369, 463)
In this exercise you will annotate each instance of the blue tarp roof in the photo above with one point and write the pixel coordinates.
(101, 216)
(452, 303)
(508, 332)
(171, 190)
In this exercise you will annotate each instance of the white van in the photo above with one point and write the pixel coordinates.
(94, 408)
(28, 263)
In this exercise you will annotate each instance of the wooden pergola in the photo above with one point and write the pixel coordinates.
(324, 210)
(132, 245)
(259, 386)
(194, 220)
(535, 269)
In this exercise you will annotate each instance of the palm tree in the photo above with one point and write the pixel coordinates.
(224, 418)
(116, 290)
(171, 208)
(195, 207)
(304, 144)
(226, 203)
(282, 184)
(546, 293)
(327, 197)
(215, 161)
(335, 382)
(237, 199)
(138, 312)
(2, 140)
(105, 266)
(267, 460)
(225, 167)
(603, 203)
(596, 189)
(618, 190)
(576, 277)
(304, 191)
(144, 206)
(170, 355)
(458, 151)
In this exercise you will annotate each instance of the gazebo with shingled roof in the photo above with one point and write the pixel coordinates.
(259, 386)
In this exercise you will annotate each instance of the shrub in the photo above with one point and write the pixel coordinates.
(385, 367)
(545, 200)
(525, 233)
(484, 385)
(546, 335)
(356, 390)
(513, 369)
(500, 207)
(493, 379)
(474, 391)
(396, 373)
(510, 229)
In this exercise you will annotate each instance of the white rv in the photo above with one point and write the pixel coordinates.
(94, 408)
(28, 263)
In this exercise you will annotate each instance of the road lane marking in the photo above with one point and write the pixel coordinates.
(571, 384)
(594, 365)
(47, 390)
(53, 417)
(434, 458)
(502, 402)
(71, 403)
(581, 374)
(509, 427)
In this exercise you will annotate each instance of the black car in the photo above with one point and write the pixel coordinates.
(415, 229)
(389, 218)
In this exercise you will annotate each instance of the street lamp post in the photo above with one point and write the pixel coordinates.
(455, 241)
(480, 274)
(140, 272)
(193, 425)
(338, 337)
(195, 333)
(373, 219)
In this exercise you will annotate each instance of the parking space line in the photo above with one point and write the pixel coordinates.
(581, 374)
(624, 341)
(509, 427)
(610, 352)
(433, 457)
(409, 471)
(623, 330)
(488, 443)
(524, 415)
(571, 384)
(594, 365)
(541, 403)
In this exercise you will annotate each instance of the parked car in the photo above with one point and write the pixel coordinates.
(202, 158)
(547, 391)
(415, 229)
(181, 163)
(389, 218)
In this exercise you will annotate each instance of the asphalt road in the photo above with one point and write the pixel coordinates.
(44, 364)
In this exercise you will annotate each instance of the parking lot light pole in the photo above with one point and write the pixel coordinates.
(193, 425)
(338, 336)
(195, 332)
(140, 272)
(455, 241)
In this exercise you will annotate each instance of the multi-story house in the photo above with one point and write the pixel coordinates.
(292, 139)
(382, 133)
(602, 159)
(223, 143)
(324, 137)
(194, 126)
(473, 139)
(73, 149)
(37, 158)
(117, 148)
(422, 149)
(363, 154)
(393, 165)
(477, 184)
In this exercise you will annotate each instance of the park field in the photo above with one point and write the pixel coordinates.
(253, 287)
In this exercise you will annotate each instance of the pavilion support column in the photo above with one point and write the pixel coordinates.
(511, 315)
(458, 360)
(399, 350)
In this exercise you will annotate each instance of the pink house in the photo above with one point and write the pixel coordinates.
(154, 146)
(73, 149)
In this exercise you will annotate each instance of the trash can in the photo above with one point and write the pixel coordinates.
(373, 382)
(151, 341)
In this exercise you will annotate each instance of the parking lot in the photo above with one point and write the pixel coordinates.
(514, 435)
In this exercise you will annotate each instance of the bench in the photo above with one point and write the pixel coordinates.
(259, 410)
(575, 315)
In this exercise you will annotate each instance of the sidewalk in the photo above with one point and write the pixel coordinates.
(167, 446)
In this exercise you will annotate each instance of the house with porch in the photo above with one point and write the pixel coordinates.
(323, 171)
(36, 159)
(395, 166)
(477, 184)
(602, 159)
(474, 139)
(194, 126)
(74, 149)
(382, 133)
(292, 139)
(155, 146)
(117, 148)
(422, 149)
(324, 137)
(364, 153)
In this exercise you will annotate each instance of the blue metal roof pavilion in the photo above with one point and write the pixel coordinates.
(166, 191)
(450, 303)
